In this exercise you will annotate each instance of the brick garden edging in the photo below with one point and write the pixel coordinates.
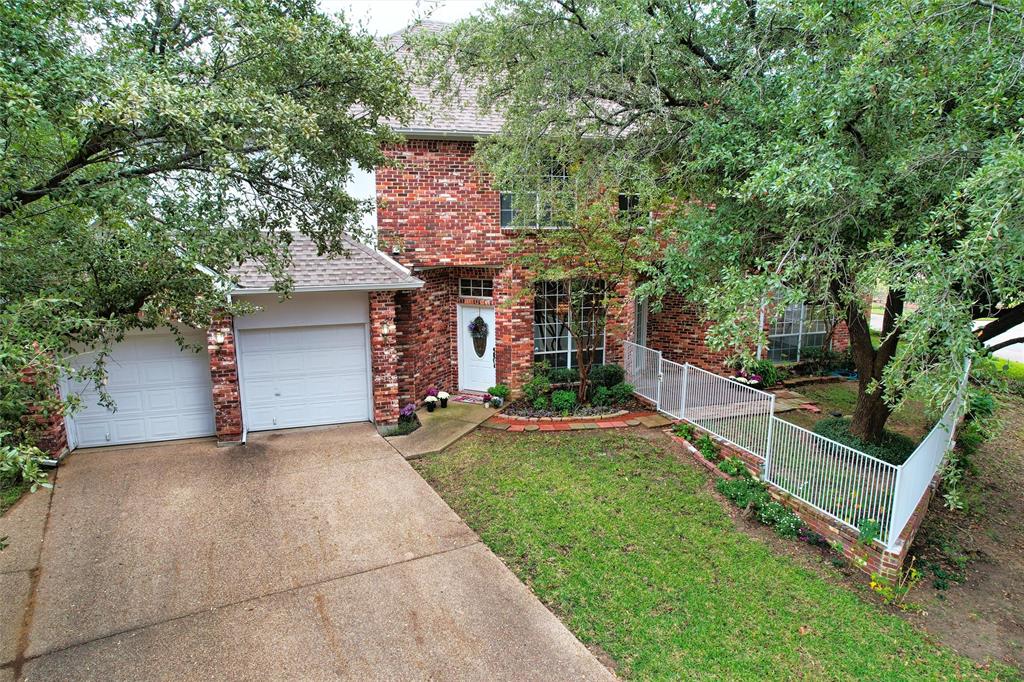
(592, 417)
(869, 558)
(621, 420)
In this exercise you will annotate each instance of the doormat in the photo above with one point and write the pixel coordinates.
(475, 399)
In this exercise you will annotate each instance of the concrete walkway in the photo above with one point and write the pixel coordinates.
(440, 428)
(317, 554)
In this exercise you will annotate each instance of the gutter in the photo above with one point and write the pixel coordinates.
(242, 291)
(434, 134)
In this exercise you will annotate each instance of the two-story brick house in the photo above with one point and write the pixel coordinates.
(365, 333)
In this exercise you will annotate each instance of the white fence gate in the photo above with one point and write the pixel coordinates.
(848, 485)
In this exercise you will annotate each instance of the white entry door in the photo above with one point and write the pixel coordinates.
(160, 392)
(476, 348)
(304, 376)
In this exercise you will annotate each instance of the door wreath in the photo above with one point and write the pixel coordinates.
(478, 332)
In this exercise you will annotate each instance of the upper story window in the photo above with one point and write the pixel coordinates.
(476, 288)
(529, 209)
(799, 328)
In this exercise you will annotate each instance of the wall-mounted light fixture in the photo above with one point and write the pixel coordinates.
(218, 337)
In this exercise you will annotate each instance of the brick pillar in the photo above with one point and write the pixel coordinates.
(46, 427)
(227, 403)
(620, 324)
(384, 357)
(513, 317)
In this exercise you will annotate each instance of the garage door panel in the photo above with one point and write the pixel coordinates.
(160, 393)
(304, 376)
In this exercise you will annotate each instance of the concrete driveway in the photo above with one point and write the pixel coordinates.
(317, 554)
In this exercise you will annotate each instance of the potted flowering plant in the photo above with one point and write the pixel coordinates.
(443, 396)
(431, 402)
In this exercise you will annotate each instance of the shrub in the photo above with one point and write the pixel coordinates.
(620, 393)
(745, 493)
(895, 448)
(869, 530)
(563, 401)
(683, 430)
(563, 375)
(734, 466)
(980, 404)
(500, 391)
(20, 464)
(768, 372)
(536, 387)
(778, 516)
(602, 397)
(707, 447)
(606, 375)
(541, 402)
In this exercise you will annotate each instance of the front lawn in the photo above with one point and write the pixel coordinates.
(629, 546)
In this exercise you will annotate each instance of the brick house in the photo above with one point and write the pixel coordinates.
(369, 332)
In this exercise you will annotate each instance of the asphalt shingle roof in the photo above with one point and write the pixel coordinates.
(362, 268)
(443, 115)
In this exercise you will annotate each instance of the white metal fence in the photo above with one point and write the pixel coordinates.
(845, 483)
(848, 485)
(916, 474)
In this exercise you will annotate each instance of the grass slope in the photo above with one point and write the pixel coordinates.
(627, 545)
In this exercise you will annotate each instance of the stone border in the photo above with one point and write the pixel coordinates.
(623, 419)
(589, 417)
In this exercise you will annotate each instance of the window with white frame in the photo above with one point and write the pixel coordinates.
(799, 328)
(552, 340)
(526, 209)
(476, 288)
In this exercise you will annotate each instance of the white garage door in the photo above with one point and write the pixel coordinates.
(160, 392)
(304, 376)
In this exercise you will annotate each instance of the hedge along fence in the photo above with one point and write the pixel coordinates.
(849, 487)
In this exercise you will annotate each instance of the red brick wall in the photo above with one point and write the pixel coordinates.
(425, 320)
(442, 214)
(840, 337)
(437, 207)
(677, 331)
(384, 357)
(227, 403)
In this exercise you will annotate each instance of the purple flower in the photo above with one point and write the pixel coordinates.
(407, 411)
(477, 326)
(432, 391)
(756, 378)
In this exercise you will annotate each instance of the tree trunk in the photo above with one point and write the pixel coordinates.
(872, 412)
(870, 415)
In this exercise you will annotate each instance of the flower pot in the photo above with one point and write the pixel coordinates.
(444, 402)
(430, 407)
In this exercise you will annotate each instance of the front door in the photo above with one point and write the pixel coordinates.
(476, 348)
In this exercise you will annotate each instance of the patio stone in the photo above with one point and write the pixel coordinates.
(632, 422)
(496, 425)
(531, 427)
(582, 426)
(654, 421)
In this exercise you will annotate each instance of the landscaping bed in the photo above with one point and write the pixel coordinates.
(642, 560)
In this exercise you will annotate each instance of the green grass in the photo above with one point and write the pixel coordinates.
(910, 420)
(11, 492)
(1008, 368)
(627, 545)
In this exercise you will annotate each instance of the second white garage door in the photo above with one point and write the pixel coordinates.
(304, 376)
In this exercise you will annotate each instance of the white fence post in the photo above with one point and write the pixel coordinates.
(766, 469)
(682, 394)
(661, 377)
